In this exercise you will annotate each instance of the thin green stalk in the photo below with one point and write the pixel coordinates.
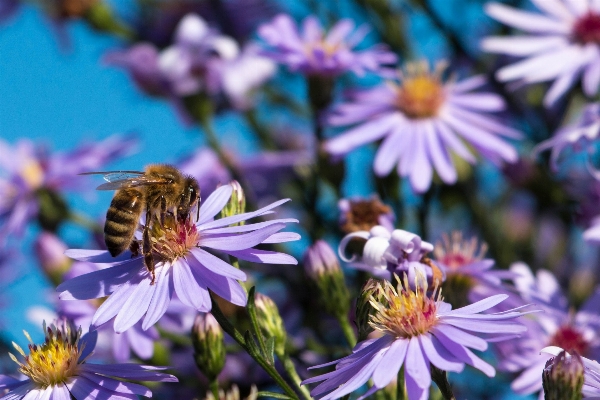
(237, 336)
(290, 369)
(348, 330)
(400, 389)
(263, 134)
(440, 379)
(214, 388)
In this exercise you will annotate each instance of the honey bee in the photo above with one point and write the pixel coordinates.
(160, 190)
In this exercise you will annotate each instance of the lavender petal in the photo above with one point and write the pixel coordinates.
(130, 371)
(240, 242)
(135, 306)
(214, 203)
(161, 297)
(217, 265)
(263, 256)
(118, 386)
(191, 292)
(390, 363)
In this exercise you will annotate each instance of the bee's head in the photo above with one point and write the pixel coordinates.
(189, 198)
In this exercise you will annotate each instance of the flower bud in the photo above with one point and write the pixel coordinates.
(50, 251)
(322, 266)
(209, 347)
(74, 8)
(563, 377)
(237, 202)
(270, 321)
(370, 291)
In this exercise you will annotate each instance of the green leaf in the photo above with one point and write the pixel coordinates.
(273, 394)
(270, 344)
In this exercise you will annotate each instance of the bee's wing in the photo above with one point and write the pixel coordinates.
(124, 179)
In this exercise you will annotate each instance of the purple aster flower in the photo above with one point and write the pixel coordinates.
(360, 214)
(384, 253)
(469, 277)
(27, 172)
(579, 134)
(556, 326)
(58, 369)
(315, 52)
(591, 373)
(420, 119)
(561, 45)
(183, 266)
(418, 330)
(202, 60)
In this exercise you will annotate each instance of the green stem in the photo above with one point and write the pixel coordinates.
(440, 379)
(214, 388)
(400, 389)
(237, 336)
(263, 133)
(290, 369)
(348, 330)
(84, 221)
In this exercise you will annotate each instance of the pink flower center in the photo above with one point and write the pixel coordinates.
(174, 238)
(402, 312)
(569, 339)
(587, 29)
(454, 252)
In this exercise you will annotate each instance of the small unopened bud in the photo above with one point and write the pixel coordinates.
(50, 251)
(74, 8)
(237, 202)
(370, 291)
(563, 377)
(53, 209)
(322, 266)
(209, 347)
(270, 321)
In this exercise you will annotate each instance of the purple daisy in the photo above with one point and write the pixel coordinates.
(418, 331)
(58, 369)
(561, 45)
(556, 326)
(420, 119)
(591, 373)
(314, 52)
(183, 266)
(579, 134)
(26, 170)
(385, 253)
(469, 276)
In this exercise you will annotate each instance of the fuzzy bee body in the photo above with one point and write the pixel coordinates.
(159, 191)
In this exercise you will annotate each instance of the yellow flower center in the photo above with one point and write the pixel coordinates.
(403, 312)
(32, 174)
(421, 92)
(174, 238)
(55, 360)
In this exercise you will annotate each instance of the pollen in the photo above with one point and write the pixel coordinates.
(404, 312)
(421, 92)
(32, 174)
(54, 361)
(174, 238)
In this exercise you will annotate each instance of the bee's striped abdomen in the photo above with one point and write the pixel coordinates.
(122, 219)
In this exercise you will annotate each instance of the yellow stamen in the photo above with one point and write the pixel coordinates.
(55, 360)
(404, 312)
(33, 174)
(421, 92)
(174, 238)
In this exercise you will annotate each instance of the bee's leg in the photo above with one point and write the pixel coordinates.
(198, 212)
(163, 210)
(134, 247)
(147, 246)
